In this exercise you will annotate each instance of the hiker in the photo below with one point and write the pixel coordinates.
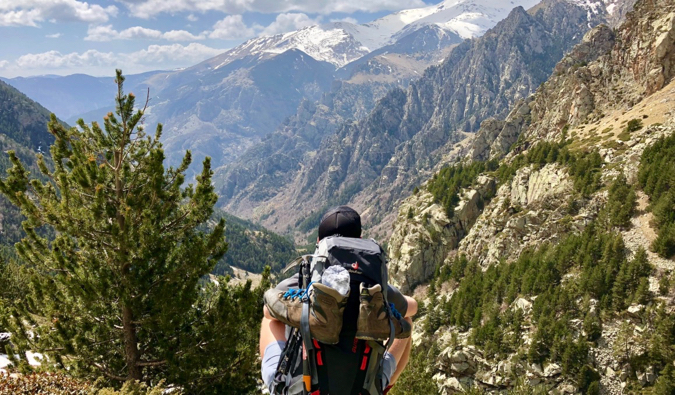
(341, 344)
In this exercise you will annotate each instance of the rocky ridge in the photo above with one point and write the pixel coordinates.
(375, 162)
(538, 205)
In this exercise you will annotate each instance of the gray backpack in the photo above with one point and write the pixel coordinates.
(353, 366)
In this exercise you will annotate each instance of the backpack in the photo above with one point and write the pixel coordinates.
(354, 366)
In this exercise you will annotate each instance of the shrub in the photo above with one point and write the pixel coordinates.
(634, 125)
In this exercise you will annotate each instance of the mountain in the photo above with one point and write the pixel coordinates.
(271, 163)
(23, 129)
(544, 257)
(252, 247)
(226, 104)
(220, 110)
(340, 43)
(375, 162)
(76, 94)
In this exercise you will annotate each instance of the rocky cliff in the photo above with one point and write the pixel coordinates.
(375, 162)
(533, 294)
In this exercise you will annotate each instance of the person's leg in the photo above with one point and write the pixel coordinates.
(400, 349)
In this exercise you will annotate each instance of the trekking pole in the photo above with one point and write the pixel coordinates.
(304, 330)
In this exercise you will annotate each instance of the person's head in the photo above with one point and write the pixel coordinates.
(341, 220)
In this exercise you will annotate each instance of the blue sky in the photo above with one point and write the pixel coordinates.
(71, 36)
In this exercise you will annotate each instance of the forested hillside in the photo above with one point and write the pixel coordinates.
(545, 258)
(378, 160)
(252, 247)
(23, 128)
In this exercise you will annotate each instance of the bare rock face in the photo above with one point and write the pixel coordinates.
(495, 138)
(526, 212)
(424, 235)
(608, 71)
(380, 158)
(604, 74)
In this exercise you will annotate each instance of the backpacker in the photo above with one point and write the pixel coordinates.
(355, 365)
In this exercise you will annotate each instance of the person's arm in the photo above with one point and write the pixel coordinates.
(271, 329)
(266, 314)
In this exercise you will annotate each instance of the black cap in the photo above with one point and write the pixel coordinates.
(341, 220)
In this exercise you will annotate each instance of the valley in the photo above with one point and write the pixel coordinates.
(516, 163)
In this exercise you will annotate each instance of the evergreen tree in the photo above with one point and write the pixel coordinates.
(665, 383)
(117, 292)
(620, 203)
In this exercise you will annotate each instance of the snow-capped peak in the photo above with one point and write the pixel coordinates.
(340, 43)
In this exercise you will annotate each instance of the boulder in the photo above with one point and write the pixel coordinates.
(552, 370)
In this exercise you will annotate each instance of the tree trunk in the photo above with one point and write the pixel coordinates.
(131, 352)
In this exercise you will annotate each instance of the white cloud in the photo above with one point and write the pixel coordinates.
(103, 63)
(19, 18)
(287, 22)
(182, 35)
(192, 18)
(175, 53)
(55, 35)
(31, 12)
(56, 60)
(149, 8)
(347, 19)
(107, 33)
(232, 27)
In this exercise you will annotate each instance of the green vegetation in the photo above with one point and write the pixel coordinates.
(621, 202)
(116, 292)
(446, 185)
(252, 247)
(633, 126)
(584, 167)
(417, 378)
(599, 269)
(656, 176)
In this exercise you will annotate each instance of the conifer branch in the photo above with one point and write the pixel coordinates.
(107, 373)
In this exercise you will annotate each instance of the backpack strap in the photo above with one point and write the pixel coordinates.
(364, 353)
(287, 363)
(309, 373)
(321, 368)
(372, 375)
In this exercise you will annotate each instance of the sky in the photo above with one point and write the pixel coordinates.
(62, 37)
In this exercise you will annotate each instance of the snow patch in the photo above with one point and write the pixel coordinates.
(4, 361)
(340, 43)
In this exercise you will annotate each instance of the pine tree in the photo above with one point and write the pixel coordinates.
(117, 292)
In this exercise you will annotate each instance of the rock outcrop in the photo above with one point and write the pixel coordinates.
(604, 83)
(424, 235)
(377, 161)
